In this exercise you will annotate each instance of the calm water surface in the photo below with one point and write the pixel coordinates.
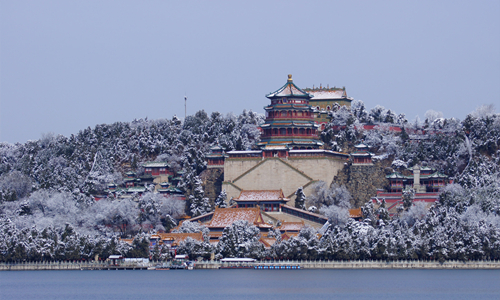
(252, 284)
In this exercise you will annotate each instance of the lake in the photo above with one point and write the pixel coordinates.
(252, 284)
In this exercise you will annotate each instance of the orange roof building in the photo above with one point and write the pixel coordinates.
(174, 239)
(224, 217)
(268, 200)
(291, 226)
(356, 213)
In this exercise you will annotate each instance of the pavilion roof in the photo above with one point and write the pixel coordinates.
(289, 235)
(395, 175)
(289, 90)
(267, 241)
(291, 226)
(155, 164)
(323, 93)
(179, 237)
(261, 195)
(355, 213)
(224, 217)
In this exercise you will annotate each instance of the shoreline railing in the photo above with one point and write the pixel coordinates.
(303, 264)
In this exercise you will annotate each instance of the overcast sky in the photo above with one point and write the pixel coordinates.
(67, 65)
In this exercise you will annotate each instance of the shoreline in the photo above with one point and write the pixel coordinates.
(264, 265)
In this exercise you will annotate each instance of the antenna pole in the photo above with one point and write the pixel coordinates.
(185, 105)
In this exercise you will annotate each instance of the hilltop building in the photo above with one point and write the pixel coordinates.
(289, 156)
(215, 159)
(362, 156)
(290, 119)
(324, 99)
(425, 182)
(157, 174)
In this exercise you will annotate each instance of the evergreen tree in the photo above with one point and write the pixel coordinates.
(240, 240)
(221, 200)
(300, 200)
(382, 212)
(408, 196)
(199, 205)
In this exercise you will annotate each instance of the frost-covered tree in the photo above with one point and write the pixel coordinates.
(192, 227)
(407, 198)
(199, 204)
(194, 248)
(158, 212)
(240, 240)
(323, 195)
(300, 198)
(369, 213)
(382, 212)
(415, 213)
(303, 246)
(221, 200)
(336, 215)
(15, 184)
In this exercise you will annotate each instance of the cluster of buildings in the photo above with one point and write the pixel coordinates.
(158, 177)
(261, 184)
(424, 181)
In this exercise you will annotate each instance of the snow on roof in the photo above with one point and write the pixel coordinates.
(291, 226)
(268, 242)
(289, 89)
(244, 152)
(327, 94)
(224, 217)
(434, 175)
(257, 195)
(275, 147)
(310, 151)
(155, 164)
(305, 212)
(136, 189)
(289, 235)
(355, 213)
(361, 146)
(395, 175)
(179, 237)
(363, 154)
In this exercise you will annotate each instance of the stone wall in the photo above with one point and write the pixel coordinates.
(362, 181)
(276, 173)
(212, 182)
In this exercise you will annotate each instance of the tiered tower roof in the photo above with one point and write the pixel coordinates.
(289, 90)
(290, 119)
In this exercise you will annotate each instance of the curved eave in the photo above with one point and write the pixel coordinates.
(288, 106)
(277, 93)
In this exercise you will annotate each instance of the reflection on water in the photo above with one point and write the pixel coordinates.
(252, 284)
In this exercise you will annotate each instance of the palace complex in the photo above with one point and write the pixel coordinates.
(424, 181)
(290, 154)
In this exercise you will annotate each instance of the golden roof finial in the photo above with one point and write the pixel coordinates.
(290, 78)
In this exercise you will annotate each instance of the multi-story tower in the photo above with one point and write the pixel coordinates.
(289, 120)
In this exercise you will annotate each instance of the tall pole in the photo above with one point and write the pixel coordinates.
(185, 109)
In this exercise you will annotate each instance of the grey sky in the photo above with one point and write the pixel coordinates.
(67, 65)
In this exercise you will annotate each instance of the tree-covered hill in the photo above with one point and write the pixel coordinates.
(47, 212)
